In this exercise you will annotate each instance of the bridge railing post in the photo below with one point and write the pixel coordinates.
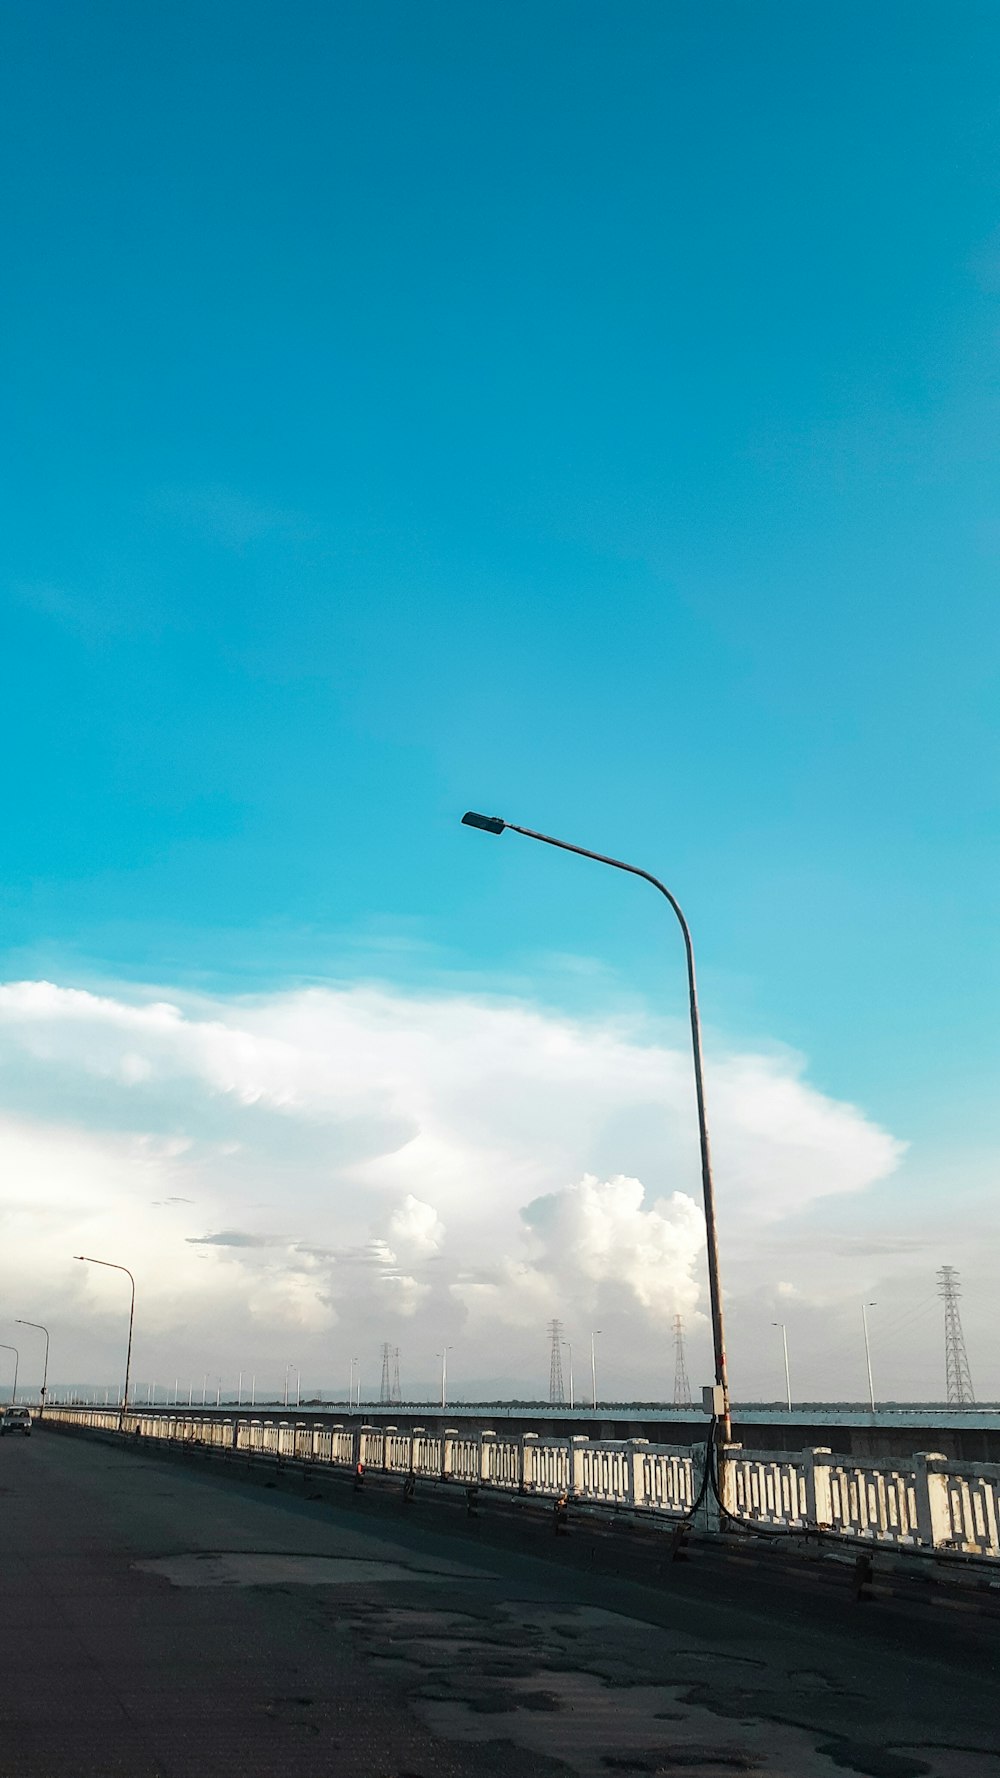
(577, 1457)
(727, 1457)
(487, 1445)
(529, 1446)
(448, 1438)
(819, 1501)
(635, 1485)
(930, 1486)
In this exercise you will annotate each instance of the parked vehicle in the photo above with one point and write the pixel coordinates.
(15, 1420)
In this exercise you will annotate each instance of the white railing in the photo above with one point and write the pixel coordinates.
(868, 1499)
(927, 1502)
(668, 1481)
(768, 1488)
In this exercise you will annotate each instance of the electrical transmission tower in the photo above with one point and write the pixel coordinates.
(958, 1377)
(396, 1394)
(385, 1387)
(557, 1392)
(682, 1388)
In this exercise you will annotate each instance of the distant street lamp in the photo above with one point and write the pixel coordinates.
(110, 1264)
(355, 1366)
(784, 1344)
(298, 1383)
(45, 1367)
(868, 1351)
(5, 1348)
(443, 1355)
(593, 1363)
(572, 1393)
(493, 824)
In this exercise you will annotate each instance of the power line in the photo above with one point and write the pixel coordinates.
(905, 1320)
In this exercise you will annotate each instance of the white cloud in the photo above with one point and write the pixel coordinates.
(416, 1226)
(307, 1167)
(601, 1232)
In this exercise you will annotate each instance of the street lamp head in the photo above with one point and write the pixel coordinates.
(487, 823)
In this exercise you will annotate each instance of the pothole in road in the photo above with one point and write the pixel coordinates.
(237, 1568)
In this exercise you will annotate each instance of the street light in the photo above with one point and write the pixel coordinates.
(784, 1344)
(45, 1369)
(355, 1365)
(868, 1351)
(131, 1315)
(593, 1363)
(6, 1348)
(493, 824)
(443, 1355)
(572, 1393)
(298, 1382)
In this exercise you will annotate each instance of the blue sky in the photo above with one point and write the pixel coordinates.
(584, 412)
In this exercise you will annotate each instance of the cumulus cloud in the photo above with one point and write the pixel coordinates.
(468, 1165)
(416, 1226)
(602, 1231)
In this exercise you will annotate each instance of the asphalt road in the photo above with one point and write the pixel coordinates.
(161, 1619)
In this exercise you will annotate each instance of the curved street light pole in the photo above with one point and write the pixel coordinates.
(494, 824)
(45, 1367)
(593, 1365)
(112, 1267)
(443, 1355)
(5, 1348)
(868, 1352)
(784, 1348)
